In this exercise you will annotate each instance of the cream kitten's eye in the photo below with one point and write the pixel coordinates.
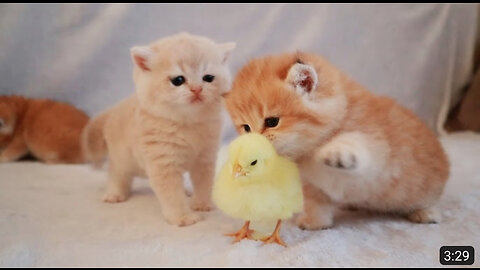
(208, 78)
(246, 128)
(177, 81)
(271, 122)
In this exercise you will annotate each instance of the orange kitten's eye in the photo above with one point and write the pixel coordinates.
(271, 122)
(208, 78)
(177, 81)
(246, 128)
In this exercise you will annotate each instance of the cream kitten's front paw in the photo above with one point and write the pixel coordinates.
(306, 222)
(187, 219)
(201, 205)
(114, 197)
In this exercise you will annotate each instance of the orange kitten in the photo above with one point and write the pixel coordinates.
(47, 129)
(170, 126)
(353, 148)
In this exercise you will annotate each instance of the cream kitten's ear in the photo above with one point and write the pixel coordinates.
(303, 78)
(226, 49)
(141, 56)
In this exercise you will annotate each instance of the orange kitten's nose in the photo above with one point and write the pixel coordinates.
(196, 90)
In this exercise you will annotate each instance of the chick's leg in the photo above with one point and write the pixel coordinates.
(244, 232)
(275, 237)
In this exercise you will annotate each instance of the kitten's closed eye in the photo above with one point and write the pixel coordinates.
(177, 81)
(271, 122)
(1, 123)
(208, 78)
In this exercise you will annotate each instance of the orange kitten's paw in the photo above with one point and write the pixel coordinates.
(4, 158)
(185, 220)
(306, 222)
(344, 152)
(339, 158)
(114, 197)
(429, 215)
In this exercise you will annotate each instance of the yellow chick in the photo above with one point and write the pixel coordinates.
(256, 184)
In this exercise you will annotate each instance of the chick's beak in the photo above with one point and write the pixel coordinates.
(238, 170)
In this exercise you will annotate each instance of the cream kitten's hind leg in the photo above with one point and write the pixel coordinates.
(427, 215)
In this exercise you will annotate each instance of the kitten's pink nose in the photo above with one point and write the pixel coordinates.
(196, 90)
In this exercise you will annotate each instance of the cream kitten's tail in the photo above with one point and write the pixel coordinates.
(93, 142)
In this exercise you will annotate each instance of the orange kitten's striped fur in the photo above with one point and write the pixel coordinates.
(169, 126)
(47, 129)
(353, 147)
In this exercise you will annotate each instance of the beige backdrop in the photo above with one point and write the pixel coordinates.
(419, 54)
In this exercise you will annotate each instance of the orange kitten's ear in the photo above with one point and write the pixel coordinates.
(141, 56)
(303, 78)
(226, 49)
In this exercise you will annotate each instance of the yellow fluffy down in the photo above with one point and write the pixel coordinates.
(274, 192)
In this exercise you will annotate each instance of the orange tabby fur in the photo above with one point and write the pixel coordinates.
(47, 129)
(353, 147)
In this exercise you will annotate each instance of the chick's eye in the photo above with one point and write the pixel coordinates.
(208, 78)
(271, 122)
(246, 128)
(177, 81)
(253, 162)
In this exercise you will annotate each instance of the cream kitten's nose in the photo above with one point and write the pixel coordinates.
(196, 90)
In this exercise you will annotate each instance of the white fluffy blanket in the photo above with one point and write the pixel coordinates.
(52, 215)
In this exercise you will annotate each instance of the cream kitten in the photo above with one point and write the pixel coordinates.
(353, 148)
(170, 126)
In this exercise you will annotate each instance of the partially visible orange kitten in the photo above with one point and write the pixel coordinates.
(171, 124)
(353, 148)
(47, 129)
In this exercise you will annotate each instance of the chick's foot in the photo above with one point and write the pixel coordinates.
(244, 232)
(275, 237)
